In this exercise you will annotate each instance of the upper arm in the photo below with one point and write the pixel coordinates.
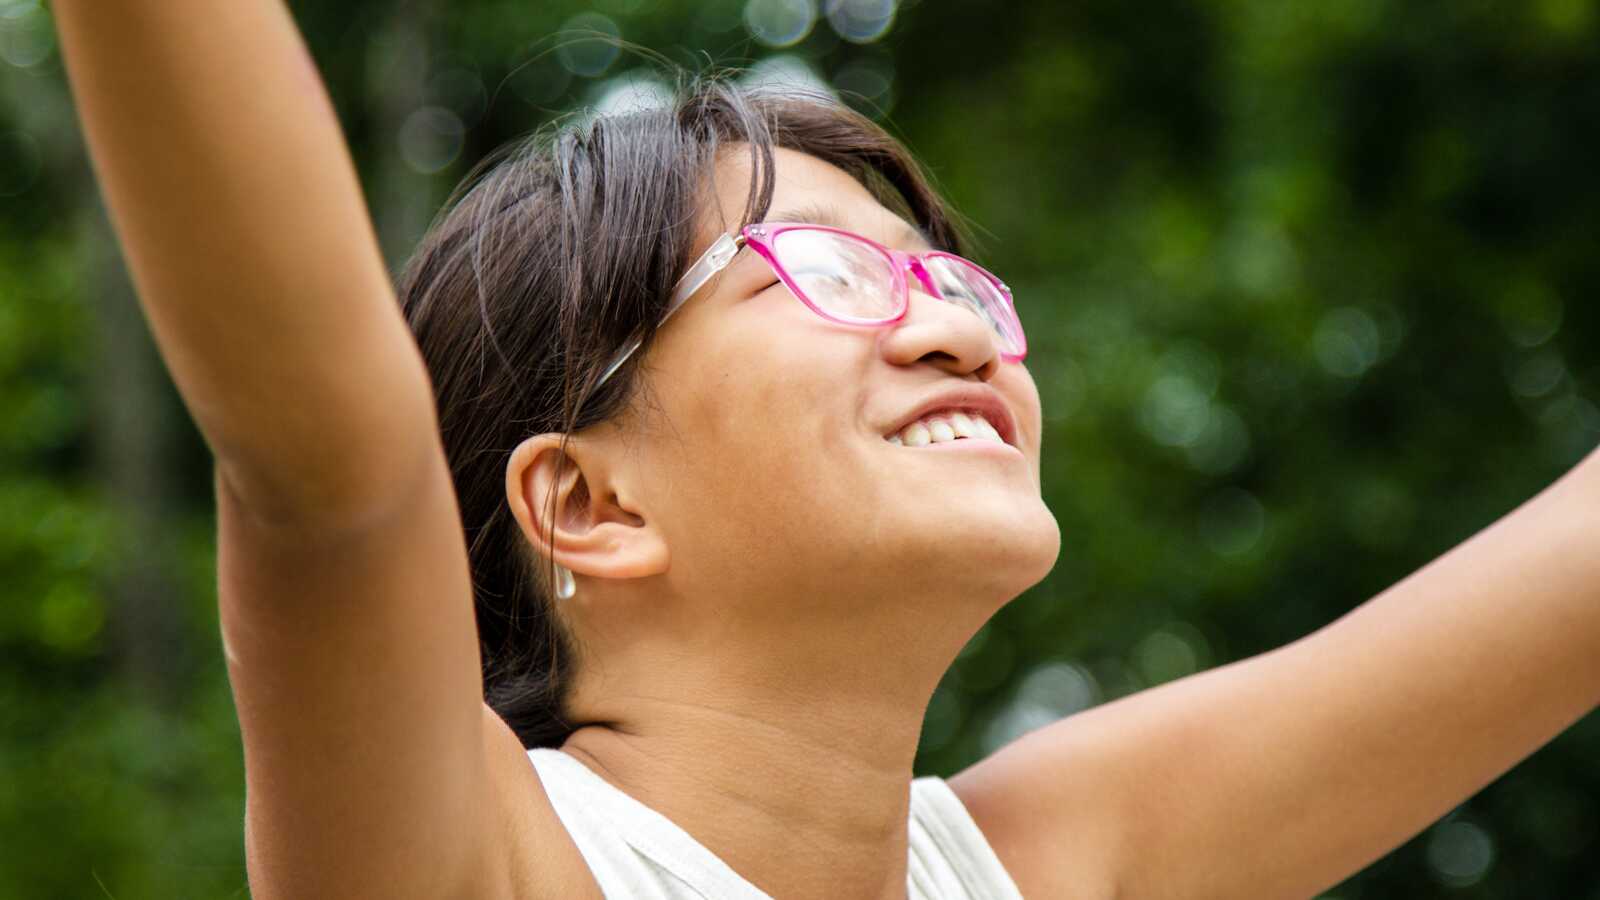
(354, 663)
(1044, 805)
(1245, 780)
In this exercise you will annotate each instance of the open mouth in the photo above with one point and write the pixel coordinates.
(946, 426)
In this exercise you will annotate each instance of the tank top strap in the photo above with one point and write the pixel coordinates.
(950, 856)
(634, 851)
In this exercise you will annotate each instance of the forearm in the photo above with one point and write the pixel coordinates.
(240, 215)
(1502, 632)
(1500, 637)
(1282, 774)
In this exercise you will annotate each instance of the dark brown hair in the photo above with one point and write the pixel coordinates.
(553, 253)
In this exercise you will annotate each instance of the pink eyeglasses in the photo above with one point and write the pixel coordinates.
(846, 278)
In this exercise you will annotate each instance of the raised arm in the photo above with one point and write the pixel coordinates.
(1281, 775)
(242, 221)
(343, 583)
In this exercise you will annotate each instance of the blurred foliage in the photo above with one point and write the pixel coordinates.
(1304, 289)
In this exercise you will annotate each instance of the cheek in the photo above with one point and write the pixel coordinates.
(771, 420)
(767, 404)
(776, 375)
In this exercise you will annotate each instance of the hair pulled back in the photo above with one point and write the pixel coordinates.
(553, 253)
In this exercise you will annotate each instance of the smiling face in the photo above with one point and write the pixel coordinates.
(771, 474)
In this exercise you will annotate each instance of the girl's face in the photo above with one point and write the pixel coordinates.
(763, 458)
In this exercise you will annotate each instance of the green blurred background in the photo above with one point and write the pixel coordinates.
(1307, 288)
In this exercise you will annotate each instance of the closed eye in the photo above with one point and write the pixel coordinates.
(757, 290)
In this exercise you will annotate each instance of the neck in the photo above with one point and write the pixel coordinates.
(796, 774)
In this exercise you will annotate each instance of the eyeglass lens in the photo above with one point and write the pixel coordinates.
(853, 280)
(845, 277)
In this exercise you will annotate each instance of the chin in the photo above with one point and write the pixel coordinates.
(999, 553)
(1033, 547)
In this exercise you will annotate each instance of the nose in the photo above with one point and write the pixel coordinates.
(945, 334)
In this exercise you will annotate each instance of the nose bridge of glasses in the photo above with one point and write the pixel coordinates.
(913, 264)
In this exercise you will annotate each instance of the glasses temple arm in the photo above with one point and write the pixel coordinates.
(714, 260)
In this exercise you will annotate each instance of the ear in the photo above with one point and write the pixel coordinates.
(590, 533)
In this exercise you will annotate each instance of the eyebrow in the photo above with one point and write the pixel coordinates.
(823, 214)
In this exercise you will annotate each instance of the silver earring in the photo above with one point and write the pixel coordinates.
(566, 585)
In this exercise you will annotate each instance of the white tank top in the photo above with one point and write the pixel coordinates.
(637, 853)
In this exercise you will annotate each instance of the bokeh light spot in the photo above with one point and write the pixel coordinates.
(780, 23)
(867, 84)
(1014, 721)
(26, 35)
(431, 139)
(1175, 411)
(1346, 342)
(1062, 687)
(1260, 259)
(588, 44)
(1223, 444)
(1174, 651)
(787, 74)
(860, 21)
(631, 92)
(1460, 853)
(1538, 375)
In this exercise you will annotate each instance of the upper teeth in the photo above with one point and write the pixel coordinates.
(946, 425)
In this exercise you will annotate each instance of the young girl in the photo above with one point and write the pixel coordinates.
(619, 551)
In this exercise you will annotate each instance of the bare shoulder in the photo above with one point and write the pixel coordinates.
(528, 844)
(1051, 828)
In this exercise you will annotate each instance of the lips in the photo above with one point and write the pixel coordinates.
(976, 398)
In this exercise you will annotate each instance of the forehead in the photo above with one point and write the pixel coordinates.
(805, 189)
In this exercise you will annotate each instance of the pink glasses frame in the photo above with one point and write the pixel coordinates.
(760, 237)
